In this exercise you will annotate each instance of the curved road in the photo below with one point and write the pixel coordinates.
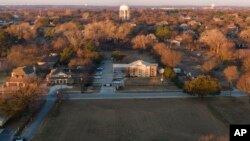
(33, 127)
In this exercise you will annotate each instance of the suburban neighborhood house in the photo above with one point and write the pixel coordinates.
(20, 76)
(59, 76)
(138, 68)
(49, 62)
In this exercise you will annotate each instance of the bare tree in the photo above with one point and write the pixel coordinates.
(209, 65)
(160, 48)
(245, 36)
(244, 84)
(227, 51)
(58, 44)
(21, 56)
(140, 42)
(22, 31)
(75, 38)
(246, 64)
(171, 58)
(231, 73)
(23, 98)
(214, 39)
(66, 27)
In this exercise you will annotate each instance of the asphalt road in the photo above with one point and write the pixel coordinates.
(107, 77)
(78, 96)
(7, 134)
(32, 128)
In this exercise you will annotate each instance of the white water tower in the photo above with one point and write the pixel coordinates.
(124, 12)
(212, 6)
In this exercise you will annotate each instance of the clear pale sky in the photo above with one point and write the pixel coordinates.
(129, 2)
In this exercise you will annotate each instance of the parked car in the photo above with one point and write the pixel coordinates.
(18, 138)
(99, 69)
(97, 77)
(108, 85)
(98, 73)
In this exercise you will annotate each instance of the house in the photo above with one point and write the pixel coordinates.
(59, 76)
(184, 27)
(152, 37)
(49, 62)
(138, 68)
(20, 76)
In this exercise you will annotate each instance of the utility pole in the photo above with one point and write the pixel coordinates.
(81, 85)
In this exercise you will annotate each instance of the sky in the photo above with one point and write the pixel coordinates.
(128, 2)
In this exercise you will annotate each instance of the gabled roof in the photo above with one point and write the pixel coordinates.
(23, 70)
(141, 62)
(58, 71)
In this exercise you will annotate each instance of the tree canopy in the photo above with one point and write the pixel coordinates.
(162, 32)
(202, 85)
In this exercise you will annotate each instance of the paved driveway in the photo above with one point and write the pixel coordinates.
(107, 77)
(7, 134)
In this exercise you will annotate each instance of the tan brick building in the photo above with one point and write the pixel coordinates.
(138, 68)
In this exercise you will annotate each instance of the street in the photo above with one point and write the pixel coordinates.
(78, 96)
(7, 134)
(32, 128)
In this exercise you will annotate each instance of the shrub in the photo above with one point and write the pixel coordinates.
(202, 85)
(169, 73)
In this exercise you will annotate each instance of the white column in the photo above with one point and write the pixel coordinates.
(124, 15)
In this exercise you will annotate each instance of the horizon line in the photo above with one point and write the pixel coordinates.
(110, 5)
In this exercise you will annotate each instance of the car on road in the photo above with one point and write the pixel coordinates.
(97, 77)
(18, 138)
(99, 69)
(108, 85)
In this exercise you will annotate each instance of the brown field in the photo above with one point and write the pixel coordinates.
(143, 120)
(138, 84)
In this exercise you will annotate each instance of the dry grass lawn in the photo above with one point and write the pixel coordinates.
(138, 84)
(143, 120)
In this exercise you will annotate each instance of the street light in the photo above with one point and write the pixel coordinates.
(81, 85)
(57, 94)
(161, 71)
(248, 87)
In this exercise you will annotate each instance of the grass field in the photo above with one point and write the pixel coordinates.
(143, 120)
(137, 84)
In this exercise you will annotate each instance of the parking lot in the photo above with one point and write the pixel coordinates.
(104, 75)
